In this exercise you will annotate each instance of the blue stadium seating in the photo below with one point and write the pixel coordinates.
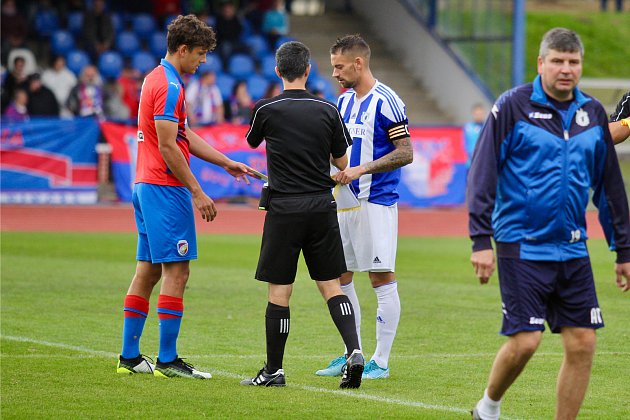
(257, 45)
(213, 64)
(241, 66)
(225, 83)
(168, 20)
(127, 43)
(61, 42)
(282, 40)
(157, 44)
(76, 60)
(257, 85)
(143, 25)
(318, 83)
(46, 22)
(268, 67)
(143, 61)
(75, 23)
(117, 22)
(110, 64)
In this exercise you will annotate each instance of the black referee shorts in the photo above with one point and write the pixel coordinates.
(297, 223)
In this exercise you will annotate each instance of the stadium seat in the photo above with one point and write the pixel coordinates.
(241, 66)
(320, 84)
(143, 61)
(117, 22)
(225, 83)
(282, 40)
(75, 23)
(268, 67)
(61, 42)
(110, 64)
(127, 43)
(46, 22)
(157, 44)
(257, 45)
(213, 63)
(168, 20)
(76, 60)
(143, 25)
(257, 85)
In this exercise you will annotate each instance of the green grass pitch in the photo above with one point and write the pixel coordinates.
(61, 314)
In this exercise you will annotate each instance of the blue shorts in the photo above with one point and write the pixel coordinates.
(561, 293)
(166, 223)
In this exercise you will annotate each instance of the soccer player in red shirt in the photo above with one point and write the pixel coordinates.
(163, 199)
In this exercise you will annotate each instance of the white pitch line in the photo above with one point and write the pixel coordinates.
(351, 394)
(310, 356)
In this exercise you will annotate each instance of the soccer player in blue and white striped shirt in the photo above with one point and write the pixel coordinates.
(376, 120)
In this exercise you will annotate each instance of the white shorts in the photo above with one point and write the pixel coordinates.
(370, 237)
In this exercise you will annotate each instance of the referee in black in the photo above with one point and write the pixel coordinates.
(303, 134)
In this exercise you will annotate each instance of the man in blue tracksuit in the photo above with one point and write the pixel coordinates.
(544, 145)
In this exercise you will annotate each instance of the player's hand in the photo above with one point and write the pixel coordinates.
(484, 264)
(205, 205)
(349, 174)
(623, 276)
(239, 170)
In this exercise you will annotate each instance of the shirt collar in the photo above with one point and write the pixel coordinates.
(164, 62)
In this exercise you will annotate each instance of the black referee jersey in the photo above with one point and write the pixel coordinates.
(301, 131)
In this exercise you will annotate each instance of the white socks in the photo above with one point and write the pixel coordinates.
(488, 409)
(348, 290)
(387, 317)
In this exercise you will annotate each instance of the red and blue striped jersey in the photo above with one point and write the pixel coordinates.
(162, 98)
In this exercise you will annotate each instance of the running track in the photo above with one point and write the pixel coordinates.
(231, 219)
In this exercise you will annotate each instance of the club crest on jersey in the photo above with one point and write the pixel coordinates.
(182, 247)
(581, 118)
(365, 116)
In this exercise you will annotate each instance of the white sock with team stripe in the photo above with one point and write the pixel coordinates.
(348, 290)
(387, 317)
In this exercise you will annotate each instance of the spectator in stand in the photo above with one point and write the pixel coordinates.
(273, 89)
(41, 100)
(254, 11)
(60, 80)
(98, 30)
(113, 105)
(17, 110)
(86, 98)
(618, 5)
(17, 78)
(204, 100)
(229, 30)
(130, 81)
(241, 104)
(275, 23)
(13, 28)
(164, 8)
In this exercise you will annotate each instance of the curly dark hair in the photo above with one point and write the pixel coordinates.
(189, 30)
(351, 43)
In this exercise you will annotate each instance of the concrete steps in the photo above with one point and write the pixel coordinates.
(320, 32)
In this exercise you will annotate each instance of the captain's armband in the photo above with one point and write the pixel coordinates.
(398, 131)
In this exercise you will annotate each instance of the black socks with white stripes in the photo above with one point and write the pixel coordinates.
(343, 316)
(277, 320)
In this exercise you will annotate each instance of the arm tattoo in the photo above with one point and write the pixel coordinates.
(402, 155)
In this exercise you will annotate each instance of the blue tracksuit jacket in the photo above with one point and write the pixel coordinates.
(531, 174)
